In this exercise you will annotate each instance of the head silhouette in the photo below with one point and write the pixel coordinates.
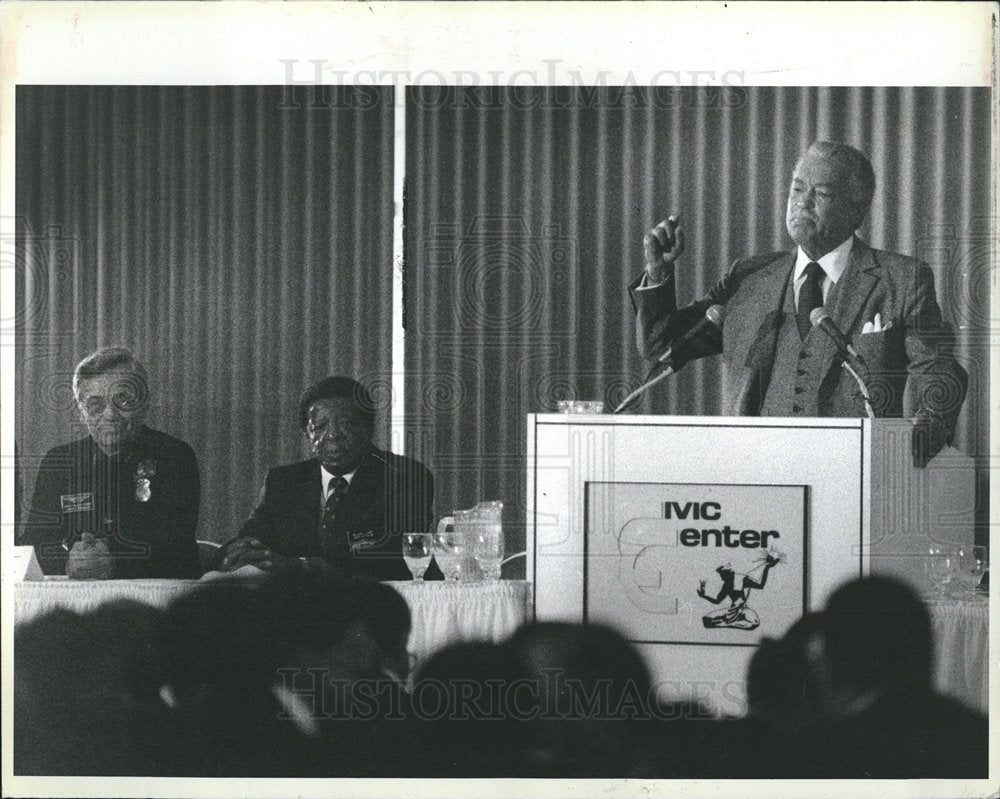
(875, 633)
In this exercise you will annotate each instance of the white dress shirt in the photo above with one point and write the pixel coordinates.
(329, 477)
(834, 263)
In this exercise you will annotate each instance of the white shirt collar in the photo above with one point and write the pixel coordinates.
(834, 262)
(328, 476)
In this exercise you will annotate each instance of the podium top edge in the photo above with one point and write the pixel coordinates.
(700, 421)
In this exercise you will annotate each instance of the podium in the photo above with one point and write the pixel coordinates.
(696, 537)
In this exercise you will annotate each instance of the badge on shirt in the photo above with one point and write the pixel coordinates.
(143, 487)
(77, 503)
(362, 539)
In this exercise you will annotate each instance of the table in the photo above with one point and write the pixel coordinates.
(961, 649)
(442, 613)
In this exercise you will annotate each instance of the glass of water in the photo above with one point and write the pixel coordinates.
(939, 563)
(489, 550)
(449, 552)
(974, 564)
(417, 553)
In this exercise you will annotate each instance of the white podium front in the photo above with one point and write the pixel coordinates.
(698, 536)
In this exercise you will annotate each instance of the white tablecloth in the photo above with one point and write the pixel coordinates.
(961, 649)
(32, 598)
(442, 613)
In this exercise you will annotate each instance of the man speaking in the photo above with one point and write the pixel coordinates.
(779, 362)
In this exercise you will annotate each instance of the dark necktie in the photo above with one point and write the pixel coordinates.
(810, 297)
(333, 542)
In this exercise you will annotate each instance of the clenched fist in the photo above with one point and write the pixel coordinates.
(662, 246)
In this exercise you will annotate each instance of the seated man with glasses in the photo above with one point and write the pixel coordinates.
(121, 502)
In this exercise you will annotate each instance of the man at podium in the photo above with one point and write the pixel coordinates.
(882, 316)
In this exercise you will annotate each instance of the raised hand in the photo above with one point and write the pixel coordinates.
(662, 246)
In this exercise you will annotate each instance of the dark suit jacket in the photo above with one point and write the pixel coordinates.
(914, 353)
(388, 495)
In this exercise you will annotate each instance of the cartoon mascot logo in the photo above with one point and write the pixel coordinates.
(736, 588)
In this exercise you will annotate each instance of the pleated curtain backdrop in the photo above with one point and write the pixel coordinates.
(237, 239)
(525, 214)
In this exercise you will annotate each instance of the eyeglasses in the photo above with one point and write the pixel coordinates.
(320, 429)
(125, 401)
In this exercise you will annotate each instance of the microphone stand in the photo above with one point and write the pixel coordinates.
(820, 318)
(713, 317)
(861, 385)
(648, 384)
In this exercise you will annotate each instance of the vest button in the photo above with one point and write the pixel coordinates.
(799, 390)
(804, 354)
(796, 409)
(800, 372)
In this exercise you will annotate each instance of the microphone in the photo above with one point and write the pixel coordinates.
(847, 353)
(820, 317)
(712, 318)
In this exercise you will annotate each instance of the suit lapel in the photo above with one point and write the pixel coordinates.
(855, 287)
(313, 485)
(858, 282)
(364, 498)
(311, 500)
(765, 290)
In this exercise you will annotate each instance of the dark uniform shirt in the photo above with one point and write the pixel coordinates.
(143, 501)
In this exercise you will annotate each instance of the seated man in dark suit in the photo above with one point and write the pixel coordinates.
(123, 501)
(345, 508)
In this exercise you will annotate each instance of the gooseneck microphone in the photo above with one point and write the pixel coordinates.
(673, 357)
(675, 352)
(821, 318)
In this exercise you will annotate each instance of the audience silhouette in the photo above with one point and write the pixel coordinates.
(872, 660)
(308, 675)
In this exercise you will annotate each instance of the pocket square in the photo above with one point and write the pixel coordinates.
(875, 326)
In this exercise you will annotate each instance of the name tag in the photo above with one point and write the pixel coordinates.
(77, 503)
(362, 539)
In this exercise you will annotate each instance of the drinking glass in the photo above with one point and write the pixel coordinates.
(489, 549)
(580, 406)
(974, 562)
(938, 565)
(417, 553)
(449, 552)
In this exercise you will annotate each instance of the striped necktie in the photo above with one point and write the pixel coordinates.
(810, 297)
(333, 542)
